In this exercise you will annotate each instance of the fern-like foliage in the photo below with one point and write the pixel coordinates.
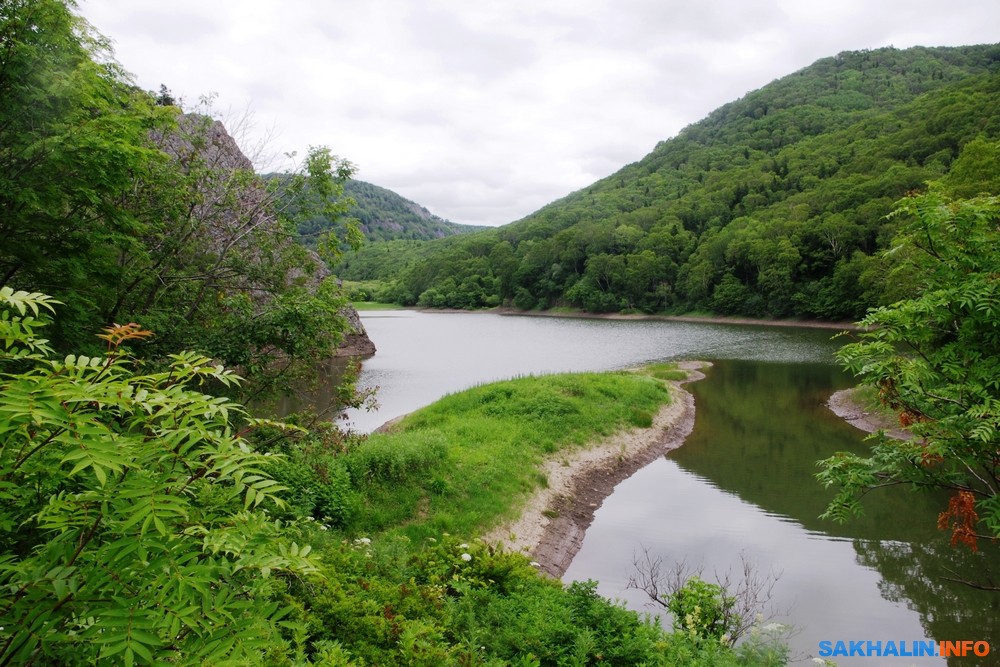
(935, 360)
(133, 523)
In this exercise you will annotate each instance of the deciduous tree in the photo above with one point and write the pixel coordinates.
(935, 360)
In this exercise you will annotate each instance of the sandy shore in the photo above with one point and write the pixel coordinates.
(552, 524)
(845, 405)
(554, 520)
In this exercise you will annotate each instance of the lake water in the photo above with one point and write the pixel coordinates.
(741, 484)
(423, 356)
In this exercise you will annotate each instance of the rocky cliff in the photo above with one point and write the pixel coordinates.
(356, 343)
(238, 210)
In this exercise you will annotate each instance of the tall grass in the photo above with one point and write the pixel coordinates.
(460, 465)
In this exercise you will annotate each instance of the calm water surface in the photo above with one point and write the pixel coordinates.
(423, 356)
(742, 483)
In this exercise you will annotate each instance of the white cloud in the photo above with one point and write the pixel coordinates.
(484, 112)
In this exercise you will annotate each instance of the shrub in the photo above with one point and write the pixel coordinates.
(131, 514)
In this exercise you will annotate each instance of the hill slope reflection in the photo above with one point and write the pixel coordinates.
(744, 481)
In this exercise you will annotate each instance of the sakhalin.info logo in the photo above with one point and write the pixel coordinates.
(865, 648)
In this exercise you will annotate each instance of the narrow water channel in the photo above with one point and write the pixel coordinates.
(743, 485)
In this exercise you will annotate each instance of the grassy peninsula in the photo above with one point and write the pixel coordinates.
(409, 580)
(460, 465)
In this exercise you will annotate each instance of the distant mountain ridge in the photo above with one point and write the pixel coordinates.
(385, 215)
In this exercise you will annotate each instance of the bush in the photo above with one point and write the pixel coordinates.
(449, 603)
(320, 489)
(131, 516)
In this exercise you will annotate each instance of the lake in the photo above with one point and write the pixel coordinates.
(741, 484)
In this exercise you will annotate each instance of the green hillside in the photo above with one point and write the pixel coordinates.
(385, 215)
(774, 205)
(380, 214)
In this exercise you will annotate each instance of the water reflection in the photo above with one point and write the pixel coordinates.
(761, 428)
(743, 481)
(423, 356)
(821, 586)
(924, 576)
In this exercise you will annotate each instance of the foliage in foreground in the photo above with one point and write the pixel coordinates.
(134, 530)
(442, 602)
(935, 361)
(133, 518)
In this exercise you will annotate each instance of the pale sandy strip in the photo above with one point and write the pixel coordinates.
(562, 468)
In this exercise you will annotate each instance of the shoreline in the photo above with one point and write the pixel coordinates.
(845, 405)
(554, 520)
(696, 319)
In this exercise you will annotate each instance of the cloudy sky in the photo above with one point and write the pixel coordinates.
(483, 111)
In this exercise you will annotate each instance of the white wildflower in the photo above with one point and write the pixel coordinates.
(463, 545)
(466, 557)
(773, 627)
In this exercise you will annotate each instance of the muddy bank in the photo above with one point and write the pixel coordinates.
(554, 520)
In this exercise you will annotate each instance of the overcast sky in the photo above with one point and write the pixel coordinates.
(483, 111)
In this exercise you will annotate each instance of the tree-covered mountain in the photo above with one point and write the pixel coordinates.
(385, 215)
(380, 214)
(774, 205)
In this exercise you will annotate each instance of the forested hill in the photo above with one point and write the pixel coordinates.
(382, 215)
(385, 215)
(774, 205)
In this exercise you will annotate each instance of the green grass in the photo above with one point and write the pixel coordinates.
(375, 305)
(461, 465)
(866, 396)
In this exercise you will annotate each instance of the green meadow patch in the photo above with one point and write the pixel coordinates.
(375, 305)
(665, 371)
(460, 465)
